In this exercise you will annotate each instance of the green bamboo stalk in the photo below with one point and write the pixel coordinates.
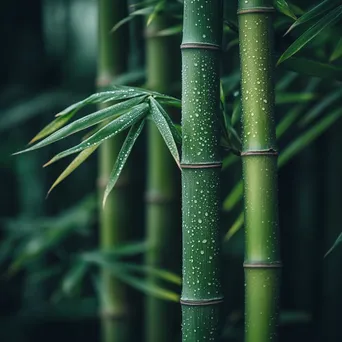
(259, 156)
(201, 164)
(162, 216)
(114, 218)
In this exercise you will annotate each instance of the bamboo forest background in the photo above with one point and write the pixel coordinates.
(55, 280)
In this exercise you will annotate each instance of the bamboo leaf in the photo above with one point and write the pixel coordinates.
(157, 8)
(120, 270)
(283, 7)
(230, 160)
(310, 67)
(316, 11)
(160, 273)
(292, 115)
(284, 98)
(164, 129)
(176, 133)
(311, 134)
(337, 53)
(116, 126)
(328, 20)
(120, 251)
(235, 227)
(336, 243)
(117, 93)
(52, 127)
(87, 121)
(234, 197)
(148, 288)
(74, 277)
(141, 11)
(170, 31)
(123, 155)
(73, 166)
(320, 107)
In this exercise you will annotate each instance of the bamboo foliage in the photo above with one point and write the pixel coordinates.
(259, 155)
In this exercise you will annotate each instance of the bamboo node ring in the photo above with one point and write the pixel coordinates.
(269, 152)
(201, 166)
(256, 10)
(203, 302)
(276, 264)
(205, 46)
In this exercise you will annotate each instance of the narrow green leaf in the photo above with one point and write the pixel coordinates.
(234, 197)
(52, 127)
(175, 132)
(235, 227)
(316, 11)
(337, 53)
(164, 129)
(110, 112)
(73, 165)
(142, 11)
(74, 277)
(157, 8)
(285, 81)
(310, 67)
(160, 273)
(284, 98)
(320, 107)
(170, 31)
(117, 93)
(148, 288)
(292, 115)
(336, 243)
(116, 126)
(328, 20)
(283, 7)
(230, 160)
(122, 157)
(120, 270)
(306, 138)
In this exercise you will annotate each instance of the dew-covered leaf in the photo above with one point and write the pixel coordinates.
(87, 121)
(116, 93)
(114, 127)
(164, 129)
(122, 157)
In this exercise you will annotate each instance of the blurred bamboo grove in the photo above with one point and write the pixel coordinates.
(72, 268)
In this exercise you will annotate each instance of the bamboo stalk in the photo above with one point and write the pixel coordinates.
(114, 218)
(259, 156)
(201, 164)
(162, 216)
